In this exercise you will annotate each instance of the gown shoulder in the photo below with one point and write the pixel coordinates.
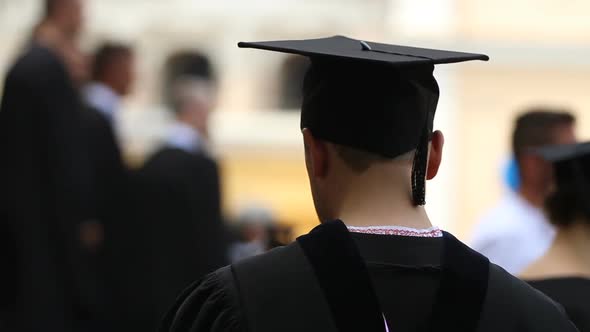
(210, 304)
(513, 305)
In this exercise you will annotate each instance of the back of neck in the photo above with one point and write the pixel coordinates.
(383, 210)
(574, 241)
(569, 256)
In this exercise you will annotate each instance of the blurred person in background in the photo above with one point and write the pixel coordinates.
(47, 201)
(112, 79)
(375, 262)
(563, 273)
(59, 31)
(516, 232)
(251, 232)
(180, 199)
(111, 232)
(257, 231)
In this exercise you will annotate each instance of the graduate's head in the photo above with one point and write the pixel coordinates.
(113, 65)
(537, 127)
(569, 200)
(368, 125)
(67, 15)
(193, 100)
(367, 117)
(337, 172)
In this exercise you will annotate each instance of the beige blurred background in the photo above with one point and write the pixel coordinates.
(540, 55)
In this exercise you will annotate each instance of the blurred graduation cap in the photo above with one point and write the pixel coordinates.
(563, 153)
(571, 164)
(370, 96)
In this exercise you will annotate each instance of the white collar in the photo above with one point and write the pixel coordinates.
(397, 230)
(103, 98)
(182, 136)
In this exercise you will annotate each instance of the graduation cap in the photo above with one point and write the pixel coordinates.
(373, 97)
(565, 152)
(571, 163)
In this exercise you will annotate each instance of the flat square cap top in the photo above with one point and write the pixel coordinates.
(353, 49)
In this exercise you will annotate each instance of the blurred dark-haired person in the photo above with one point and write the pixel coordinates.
(112, 75)
(112, 78)
(516, 233)
(180, 199)
(58, 31)
(46, 177)
(563, 273)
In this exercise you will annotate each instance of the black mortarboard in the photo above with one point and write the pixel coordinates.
(374, 97)
(565, 152)
(571, 164)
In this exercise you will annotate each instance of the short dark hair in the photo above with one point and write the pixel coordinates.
(359, 160)
(535, 128)
(105, 55)
(49, 7)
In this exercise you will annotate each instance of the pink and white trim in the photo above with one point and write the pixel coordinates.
(397, 230)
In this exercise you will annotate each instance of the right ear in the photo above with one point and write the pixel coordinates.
(316, 154)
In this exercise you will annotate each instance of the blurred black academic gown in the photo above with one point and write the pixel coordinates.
(572, 293)
(46, 192)
(332, 280)
(182, 237)
(112, 262)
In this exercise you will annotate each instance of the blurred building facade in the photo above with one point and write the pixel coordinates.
(539, 55)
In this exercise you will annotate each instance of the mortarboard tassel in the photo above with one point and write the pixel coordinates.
(419, 170)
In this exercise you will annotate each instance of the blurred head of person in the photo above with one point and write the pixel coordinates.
(66, 16)
(568, 204)
(58, 30)
(353, 182)
(193, 99)
(536, 128)
(254, 221)
(113, 66)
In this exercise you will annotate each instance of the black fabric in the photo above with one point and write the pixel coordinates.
(463, 288)
(338, 265)
(266, 300)
(280, 291)
(405, 272)
(180, 233)
(47, 182)
(571, 292)
(513, 305)
(207, 305)
(113, 201)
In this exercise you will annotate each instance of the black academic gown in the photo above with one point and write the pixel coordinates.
(331, 281)
(113, 201)
(573, 293)
(182, 232)
(46, 178)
